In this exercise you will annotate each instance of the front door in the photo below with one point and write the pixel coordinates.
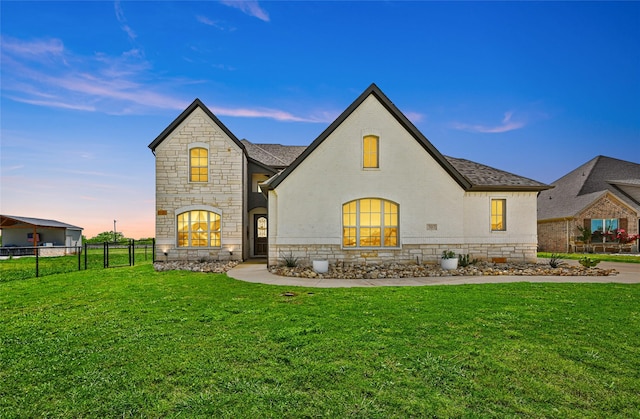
(260, 233)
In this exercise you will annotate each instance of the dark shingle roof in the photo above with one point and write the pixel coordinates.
(579, 188)
(7, 221)
(485, 177)
(273, 155)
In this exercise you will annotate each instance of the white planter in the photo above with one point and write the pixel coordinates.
(449, 264)
(321, 266)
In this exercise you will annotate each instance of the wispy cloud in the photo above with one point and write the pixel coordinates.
(507, 124)
(249, 7)
(123, 21)
(45, 73)
(414, 116)
(278, 115)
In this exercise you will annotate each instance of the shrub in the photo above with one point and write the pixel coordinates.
(587, 262)
(555, 261)
(463, 260)
(448, 254)
(289, 260)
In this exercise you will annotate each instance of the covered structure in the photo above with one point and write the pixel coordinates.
(25, 232)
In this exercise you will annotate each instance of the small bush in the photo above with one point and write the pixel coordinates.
(289, 260)
(448, 254)
(464, 260)
(555, 261)
(587, 262)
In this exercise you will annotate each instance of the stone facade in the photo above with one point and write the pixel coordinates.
(423, 253)
(223, 193)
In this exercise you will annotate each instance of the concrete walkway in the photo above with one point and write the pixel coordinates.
(629, 273)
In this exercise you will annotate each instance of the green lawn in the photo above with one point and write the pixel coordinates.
(609, 257)
(24, 267)
(132, 342)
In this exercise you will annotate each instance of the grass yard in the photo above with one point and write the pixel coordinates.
(133, 342)
(607, 257)
(24, 267)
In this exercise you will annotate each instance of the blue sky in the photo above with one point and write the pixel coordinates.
(534, 88)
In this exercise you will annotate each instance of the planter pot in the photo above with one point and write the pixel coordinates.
(449, 264)
(321, 266)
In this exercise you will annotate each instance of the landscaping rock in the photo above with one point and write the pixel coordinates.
(397, 270)
(206, 266)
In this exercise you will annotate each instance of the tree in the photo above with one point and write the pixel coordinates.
(106, 236)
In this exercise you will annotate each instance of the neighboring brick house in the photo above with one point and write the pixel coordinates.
(370, 188)
(602, 194)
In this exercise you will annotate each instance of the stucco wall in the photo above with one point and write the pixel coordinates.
(305, 210)
(223, 191)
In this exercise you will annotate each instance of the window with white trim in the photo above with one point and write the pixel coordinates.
(370, 222)
(199, 228)
(498, 215)
(370, 152)
(198, 164)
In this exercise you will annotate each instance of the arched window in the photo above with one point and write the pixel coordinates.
(198, 164)
(198, 229)
(370, 155)
(370, 222)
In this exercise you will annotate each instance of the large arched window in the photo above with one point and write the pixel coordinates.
(198, 229)
(370, 222)
(198, 164)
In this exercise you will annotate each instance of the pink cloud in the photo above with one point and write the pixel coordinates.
(249, 7)
(506, 126)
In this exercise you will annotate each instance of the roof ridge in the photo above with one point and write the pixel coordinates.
(271, 154)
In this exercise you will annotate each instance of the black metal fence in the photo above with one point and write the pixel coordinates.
(29, 262)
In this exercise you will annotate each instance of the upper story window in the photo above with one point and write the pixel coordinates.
(198, 228)
(370, 151)
(370, 222)
(198, 164)
(498, 215)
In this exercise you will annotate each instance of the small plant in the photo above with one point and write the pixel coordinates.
(448, 254)
(464, 260)
(289, 260)
(587, 262)
(555, 261)
(585, 234)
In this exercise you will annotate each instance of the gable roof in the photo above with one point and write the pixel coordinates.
(10, 221)
(469, 175)
(184, 115)
(273, 155)
(584, 185)
(486, 178)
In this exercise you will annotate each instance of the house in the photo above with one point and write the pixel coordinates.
(599, 196)
(370, 188)
(26, 232)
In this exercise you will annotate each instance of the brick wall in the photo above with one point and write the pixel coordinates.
(554, 236)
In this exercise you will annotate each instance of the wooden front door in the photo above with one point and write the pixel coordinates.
(260, 235)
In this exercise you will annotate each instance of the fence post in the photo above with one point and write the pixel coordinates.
(37, 252)
(79, 250)
(130, 245)
(85, 255)
(105, 254)
(153, 250)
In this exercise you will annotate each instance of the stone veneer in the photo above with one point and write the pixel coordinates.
(423, 253)
(223, 192)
